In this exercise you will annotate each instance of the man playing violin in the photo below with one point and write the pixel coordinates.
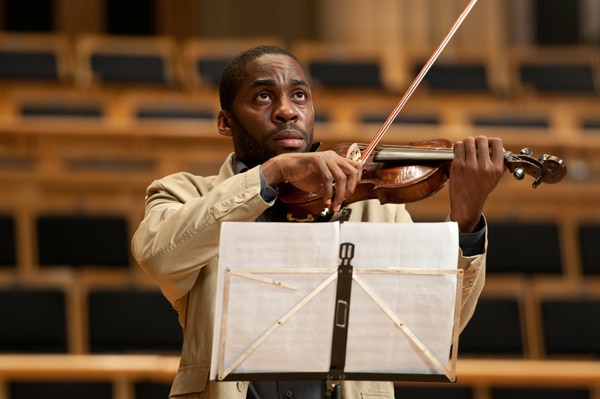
(267, 110)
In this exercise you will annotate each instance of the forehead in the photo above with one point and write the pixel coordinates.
(278, 67)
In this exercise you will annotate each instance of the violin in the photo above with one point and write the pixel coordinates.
(411, 173)
(404, 174)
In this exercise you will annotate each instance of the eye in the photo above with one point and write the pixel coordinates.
(263, 95)
(299, 96)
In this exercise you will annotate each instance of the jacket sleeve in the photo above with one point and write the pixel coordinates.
(181, 227)
(473, 282)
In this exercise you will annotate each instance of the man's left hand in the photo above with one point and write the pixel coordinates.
(476, 169)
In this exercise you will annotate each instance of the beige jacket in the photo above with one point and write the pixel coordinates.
(177, 246)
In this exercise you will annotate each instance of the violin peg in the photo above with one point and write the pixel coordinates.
(519, 173)
(526, 151)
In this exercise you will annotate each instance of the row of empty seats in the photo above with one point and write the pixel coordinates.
(119, 321)
(517, 392)
(30, 102)
(71, 240)
(132, 320)
(85, 389)
(566, 327)
(143, 116)
(517, 248)
(162, 61)
(526, 317)
(154, 390)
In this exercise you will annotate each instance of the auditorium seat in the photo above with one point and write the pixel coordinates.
(495, 330)
(128, 60)
(555, 70)
(8, 242)
(456, 77)
(433, 392)
(83, 240)
(60, 390)
(151, 390)
(558, 78)
(174, 113)
(524, 248)
(528, 125)
(204, 59)
(35, 58)
(589, 238)
(61, 110)
(571, 326)
(515, 121)
(404, 119)
(33, 320)
(345, 66)
(54, 105)
(539, 393)
(346, 74)
(132, 321)
(590, 124)
(171, 107)
(459, 71)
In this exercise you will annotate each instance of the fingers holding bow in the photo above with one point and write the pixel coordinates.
(324, 173)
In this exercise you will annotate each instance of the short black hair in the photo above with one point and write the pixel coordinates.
(235, 72)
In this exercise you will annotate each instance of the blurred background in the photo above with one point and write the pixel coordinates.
(100, 97)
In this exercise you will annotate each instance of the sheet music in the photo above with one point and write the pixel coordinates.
(425, 303)
(277, 287)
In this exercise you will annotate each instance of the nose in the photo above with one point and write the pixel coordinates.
(285, 110)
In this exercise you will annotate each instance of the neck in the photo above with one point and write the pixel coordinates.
(414, 154)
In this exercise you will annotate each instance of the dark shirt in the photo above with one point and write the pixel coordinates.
(286, 390)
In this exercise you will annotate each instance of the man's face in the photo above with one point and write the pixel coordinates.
(272, 112)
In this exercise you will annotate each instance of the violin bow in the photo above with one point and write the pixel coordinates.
(367, 152)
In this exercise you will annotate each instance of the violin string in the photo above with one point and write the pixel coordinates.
(416, 82)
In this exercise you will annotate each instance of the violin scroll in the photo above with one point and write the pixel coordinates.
(547, 169)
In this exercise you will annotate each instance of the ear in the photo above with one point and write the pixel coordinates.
(223, 124)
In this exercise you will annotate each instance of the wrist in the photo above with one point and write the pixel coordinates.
(271, 172)
(466, 224)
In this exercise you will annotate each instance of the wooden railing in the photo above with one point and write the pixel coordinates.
(470, 372)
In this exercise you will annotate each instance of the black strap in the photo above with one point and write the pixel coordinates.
(342, 313)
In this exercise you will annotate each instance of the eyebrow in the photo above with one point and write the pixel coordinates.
(271, 82)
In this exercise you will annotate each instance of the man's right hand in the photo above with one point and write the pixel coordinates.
(315, 172)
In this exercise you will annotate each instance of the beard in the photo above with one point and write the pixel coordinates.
(258, 150)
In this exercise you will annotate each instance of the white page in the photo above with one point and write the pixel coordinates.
(424, 302)
(402, 245)
(277, 246)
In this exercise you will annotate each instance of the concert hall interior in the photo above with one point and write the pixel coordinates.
(98, 98)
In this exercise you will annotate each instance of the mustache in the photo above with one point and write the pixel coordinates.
(286, 126)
